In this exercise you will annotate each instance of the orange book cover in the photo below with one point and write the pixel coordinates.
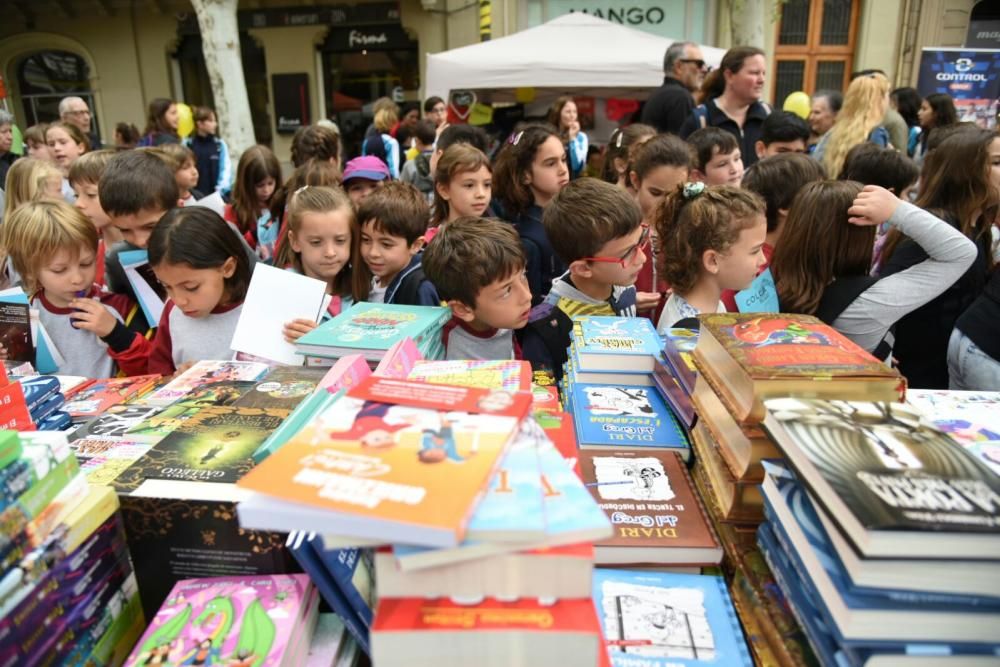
(393, 459)
(442, 614)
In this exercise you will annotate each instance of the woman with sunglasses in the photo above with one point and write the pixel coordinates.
(683, 72)
(737, 109)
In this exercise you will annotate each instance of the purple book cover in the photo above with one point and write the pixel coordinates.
(246, 621)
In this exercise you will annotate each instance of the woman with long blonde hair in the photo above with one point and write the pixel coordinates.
(859, 120)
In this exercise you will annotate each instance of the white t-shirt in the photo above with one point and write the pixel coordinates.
(377, 293)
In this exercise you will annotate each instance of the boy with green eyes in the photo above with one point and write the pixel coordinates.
(596, 229)
(477, 265)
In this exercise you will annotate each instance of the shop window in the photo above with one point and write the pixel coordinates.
(815, 46)
(45, 77)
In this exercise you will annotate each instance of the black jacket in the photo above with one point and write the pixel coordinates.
(714, 117)
(668, 107)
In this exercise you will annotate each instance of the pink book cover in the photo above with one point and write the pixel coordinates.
(399, 360)
(237, 621)
(346, 373)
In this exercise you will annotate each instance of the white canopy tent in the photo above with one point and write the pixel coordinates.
(575, 54)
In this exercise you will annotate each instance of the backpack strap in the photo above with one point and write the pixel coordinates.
(408, 291)
(701, 113)
(840, 294)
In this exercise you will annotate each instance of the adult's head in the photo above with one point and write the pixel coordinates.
(937, 110)
(436, 110)
(74, 110)
(684, 62)
(162, 116)
(826, 105)
(907, 102)
(742, 69)
(6, 131)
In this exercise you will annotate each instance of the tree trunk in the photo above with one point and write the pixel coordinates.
(747, 22)
(220, 39)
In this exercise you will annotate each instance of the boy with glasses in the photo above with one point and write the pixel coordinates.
(596, 230)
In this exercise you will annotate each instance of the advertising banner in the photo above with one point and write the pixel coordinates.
(969, 76)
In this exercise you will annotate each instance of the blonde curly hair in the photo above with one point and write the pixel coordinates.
(864, 107)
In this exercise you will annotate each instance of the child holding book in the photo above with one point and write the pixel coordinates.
(53, 246)
(463, 185)
(711, 239)
(477, 266)
(84, 176)
(717, 158)
(318, 245)
(257, 177)
(823, 263)
(391, 225)
(205, 272)
(596, 228)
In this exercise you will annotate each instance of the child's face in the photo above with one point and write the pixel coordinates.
(323, 242)
(779, 147)
(736, 268)
(66, 273)
(385, 255)
(64, 150)
(468, 193)
(263, 190)
(359, 188)
(187, 177)
(88, 202)
(196, 292)
(548, 173)
(136, 227)
(659, 182)
(207, 126)
(724, 169)
(503, 304)
(39, 151)
(629, 250)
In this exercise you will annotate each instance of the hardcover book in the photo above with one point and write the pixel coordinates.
(678, 352)
(736, 500)
(395, 460)
(204, 373)
(625, 416)
(752, 357)
(96, 398)
(255, 620)
(661, 619)
(676, 396)
(509, 375)
(615, 343)
(897, 486)
(574, 373)
(371, 329)
(651, 503)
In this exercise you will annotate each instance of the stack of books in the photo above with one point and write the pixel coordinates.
(742, 359)
(67, 594)
(883, 533)
(43, 401)
(255, 620)
(371, 329)
(675, 374)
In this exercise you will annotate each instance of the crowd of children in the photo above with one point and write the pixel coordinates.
(512, 240)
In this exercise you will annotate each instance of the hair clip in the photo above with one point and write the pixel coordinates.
(692, 190)
(300, 190)
(516, 137)
(618, 141)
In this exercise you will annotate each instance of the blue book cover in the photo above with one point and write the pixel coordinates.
(373, 326)
(622, 415)
(352, 570)
(615, 343)
(298, 544)
(663, 619)
(785, 509)
(38, 389)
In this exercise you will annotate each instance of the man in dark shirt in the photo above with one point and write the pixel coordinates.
(670, 104)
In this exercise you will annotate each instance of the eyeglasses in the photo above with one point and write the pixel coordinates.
(697, 62)
(78, 112)
(629, 255)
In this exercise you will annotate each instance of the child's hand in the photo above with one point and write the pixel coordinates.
(646, 301)
(296, 329)
(873, 206)
(92, 316)
(574, 129)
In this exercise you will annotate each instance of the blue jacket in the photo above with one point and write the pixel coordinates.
(215, 167)
(542, 264)
(410, 286)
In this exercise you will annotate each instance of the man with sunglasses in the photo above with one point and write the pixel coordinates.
(669, 106)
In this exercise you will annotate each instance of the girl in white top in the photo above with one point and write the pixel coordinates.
(711, 239)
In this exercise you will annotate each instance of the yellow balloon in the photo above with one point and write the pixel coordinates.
(798, 103)
(524, 95)
(185, 120)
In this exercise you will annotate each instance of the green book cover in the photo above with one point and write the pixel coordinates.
(284, 388)
(373, 326)
(10, 448)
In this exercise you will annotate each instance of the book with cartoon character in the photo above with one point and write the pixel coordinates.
(205, 373)
(749, 357)
(96, 398)
(972, 418)
(393, 459)
(609, 416)
(615, 343)
(372, 328)
(249, 621)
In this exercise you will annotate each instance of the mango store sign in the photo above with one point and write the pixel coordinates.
(666, 18)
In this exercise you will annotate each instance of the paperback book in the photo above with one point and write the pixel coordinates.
(204, 373)
(615, 343)
(607, 416)
(102, 394)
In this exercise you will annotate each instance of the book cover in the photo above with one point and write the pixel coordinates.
(15, 331)
(115, 422)
(213, 445)
(303, 414)
(38, 389)
(218, 394)
(393, 459)
(162, 423)
(558, 427)
(204, 373)
(509, 375)
(898, 486)
(102, 394)
(625, 416)
(371, 329)
(103, 459)
(399, 359)
(972, 418)
(615, 343)
(650, 501)
(281, 389)
(676, 397)
(660, 619)
(347, 372)
(226, 620)
(352, 570)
